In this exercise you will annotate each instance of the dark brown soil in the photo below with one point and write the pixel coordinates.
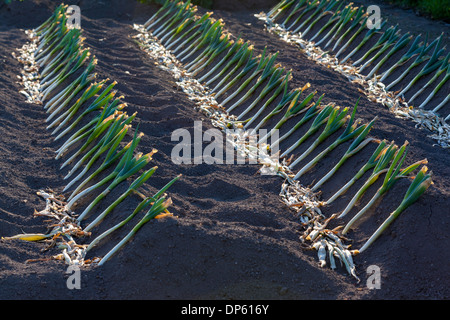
(232, 237)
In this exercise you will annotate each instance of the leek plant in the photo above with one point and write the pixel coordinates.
(196, 28)
(278, 7)
(282, 9)
(415, 48)
(60, 52)
(436, 89)
(421, 57)
(331, 20)
(113, 109)
(69, 46)
(348, 16)
(373, 160)
(79, 60)
(362, 27)
(344, 17)
(200, 28)
(113, 136)
(276, 93)
(69, 94)
(402, 42)
(384, 159)
(351, 131)
(386, 40)
(100, 101)
(359, 17)
(235, 47)
(246, 60)
(215, 50)
(62, 45)
(419, 185)
(215, 40)
(137, 183)
(309, 7)
(445, 67)
(325, 11)
(52, 34)
(358, 144)
(319, 120)
(124, 170)
(429, 67)
(184, 20)
(141, 206)
(183, 12)
(76, 86)
(125, 155)
(369, 34)
(311, 111)
(296, 106)
(433, 63)
(244, 52)
(110, 158)
(251, 64)
(69, 68)
(80, 84)
(392, 175)
(168, 8)
(298, 6)
(50, 21)
(67, 115)
(275, 81)
(157, 208)
(96, 134)
(47, 42)
(165, 6)
(335, 121)
(207, 33)
(214, 32)
(268, 71)
(389, 38)
(178, 31)
(47, 37)
(56, 69)
(286, 99)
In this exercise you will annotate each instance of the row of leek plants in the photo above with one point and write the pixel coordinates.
(205, 37)
(71, 98)
(342, 24)
(179, 29)
(387, 159)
